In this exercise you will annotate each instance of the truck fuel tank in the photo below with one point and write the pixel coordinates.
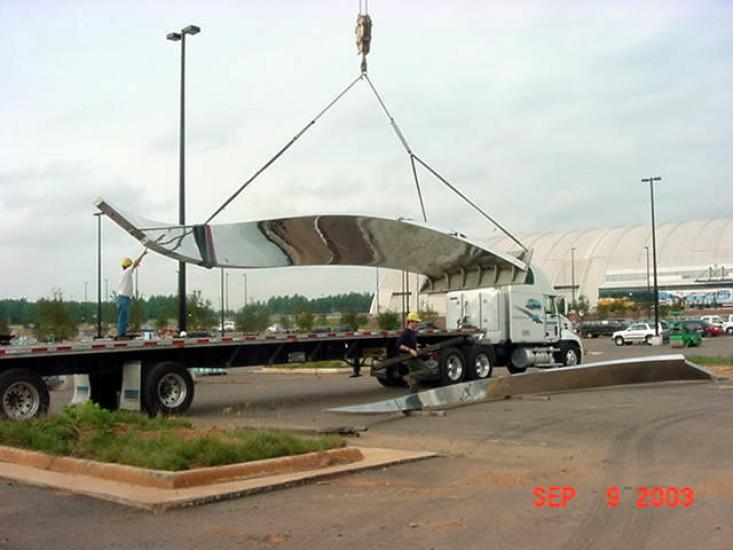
(526, 357)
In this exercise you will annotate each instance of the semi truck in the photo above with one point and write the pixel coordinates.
(517, 326)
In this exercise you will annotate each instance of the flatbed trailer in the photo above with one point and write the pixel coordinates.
(155, 373)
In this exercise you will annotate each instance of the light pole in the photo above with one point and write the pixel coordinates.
(181, 36)
(376, 290)
(654, 253)
(648, 290)
(99, 273)
(226, 295)
(572, 276)
(221, 301)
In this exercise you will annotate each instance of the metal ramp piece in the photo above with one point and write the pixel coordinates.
(660, 368)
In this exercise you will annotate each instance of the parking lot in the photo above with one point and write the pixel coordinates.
(490, 486)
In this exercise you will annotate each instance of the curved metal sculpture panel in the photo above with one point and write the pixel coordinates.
(444, 257)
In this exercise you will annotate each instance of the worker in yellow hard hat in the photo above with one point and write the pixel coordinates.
(124, 291)
(407, 343)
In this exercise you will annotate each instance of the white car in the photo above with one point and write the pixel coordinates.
(723, 321)
(641, 333)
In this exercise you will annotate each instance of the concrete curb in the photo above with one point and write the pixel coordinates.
(162, 479)
(157, 500)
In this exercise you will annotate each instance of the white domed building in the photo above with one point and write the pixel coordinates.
(694, 263)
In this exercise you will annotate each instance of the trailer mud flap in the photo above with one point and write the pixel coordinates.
(661, 368)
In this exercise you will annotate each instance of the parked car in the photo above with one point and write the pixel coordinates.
(640, 333)
(727, 321)
(698, 326)
(714, 329)
(601, 327)
(682, 335)
(712, 319)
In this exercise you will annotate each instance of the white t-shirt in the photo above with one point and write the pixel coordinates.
(124, 287)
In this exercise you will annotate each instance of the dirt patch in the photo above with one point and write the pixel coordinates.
(721, 370)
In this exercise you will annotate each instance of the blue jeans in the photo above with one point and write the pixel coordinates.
(123, 308)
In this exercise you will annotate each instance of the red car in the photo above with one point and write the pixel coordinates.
(713, 329)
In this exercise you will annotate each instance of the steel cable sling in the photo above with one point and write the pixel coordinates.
(363, 41)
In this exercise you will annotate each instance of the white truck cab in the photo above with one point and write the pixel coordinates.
(521, 322)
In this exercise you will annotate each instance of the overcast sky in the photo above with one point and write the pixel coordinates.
(547, 114)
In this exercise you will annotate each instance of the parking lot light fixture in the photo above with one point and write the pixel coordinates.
(181, 37)
(654, 253)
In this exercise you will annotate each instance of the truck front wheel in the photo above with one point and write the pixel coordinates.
(569, 355)
(167, 389)
(23, 395)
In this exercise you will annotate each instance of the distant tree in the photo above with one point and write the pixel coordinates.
(161, 322)
(321, 320)
(285, 322)
(352, 320)
(582, 305)
(388, 320)
(136, 315)
(201, 315)
(253, 318)
(304, 320)
(4, 326)
(54, 322)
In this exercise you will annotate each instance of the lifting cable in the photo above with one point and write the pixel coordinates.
(363, 43)
(281, 151)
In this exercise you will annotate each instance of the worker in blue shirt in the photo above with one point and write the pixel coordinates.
(407, 343)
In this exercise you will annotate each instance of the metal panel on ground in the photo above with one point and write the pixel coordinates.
(661, 368)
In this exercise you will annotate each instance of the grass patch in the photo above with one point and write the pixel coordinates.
(713, 360)
(173, 444)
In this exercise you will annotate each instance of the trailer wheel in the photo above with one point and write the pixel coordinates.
(167, 389)
(23, 395)
(452, 366)
(480, 363)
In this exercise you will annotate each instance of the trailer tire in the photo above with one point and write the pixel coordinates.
(23, 395)
(480, 362)
(452, 366)
(168, 389)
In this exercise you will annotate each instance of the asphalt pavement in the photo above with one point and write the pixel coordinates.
(645, 466)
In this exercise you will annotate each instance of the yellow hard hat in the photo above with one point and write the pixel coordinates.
(126, 262)
(413, 317)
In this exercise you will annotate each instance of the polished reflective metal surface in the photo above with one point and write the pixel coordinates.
(660, 368)
(448, 260)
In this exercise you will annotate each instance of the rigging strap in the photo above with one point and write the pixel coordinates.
(281, 151)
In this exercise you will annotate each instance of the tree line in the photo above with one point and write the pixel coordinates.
(62, 314)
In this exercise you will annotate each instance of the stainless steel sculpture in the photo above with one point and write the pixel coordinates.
(660, 368)
(448, 260)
